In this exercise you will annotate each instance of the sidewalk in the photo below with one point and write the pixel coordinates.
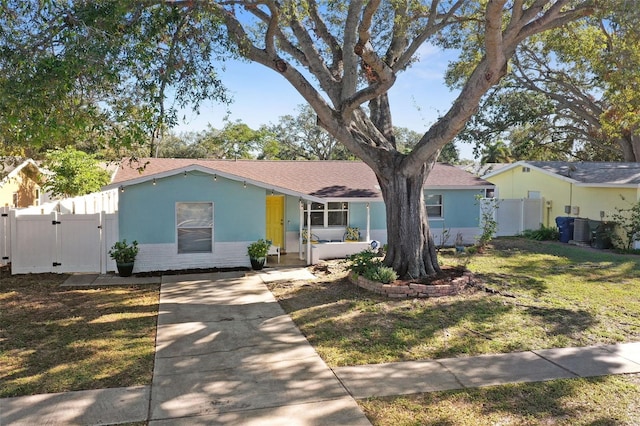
(487, 370)
(227, 354)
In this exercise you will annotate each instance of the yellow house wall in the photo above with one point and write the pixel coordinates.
(24, 186)
(591, 201)
(515, 183)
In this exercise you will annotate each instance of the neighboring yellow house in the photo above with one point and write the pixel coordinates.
(571, 189)
(19, 183)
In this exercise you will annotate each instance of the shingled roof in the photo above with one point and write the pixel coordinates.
(322, 179)
(586, 173)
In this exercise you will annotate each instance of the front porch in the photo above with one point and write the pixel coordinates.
(286, 260)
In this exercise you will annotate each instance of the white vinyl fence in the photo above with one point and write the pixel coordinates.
(61, 243)
(516, 215)
(5, 236)
(105, 201)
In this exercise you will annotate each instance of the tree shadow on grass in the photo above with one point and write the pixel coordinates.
(75, 339)
(349, 325)
(514, 282)
(560, 321)
(565, 401)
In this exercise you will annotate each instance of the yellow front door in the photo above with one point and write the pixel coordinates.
(275, 220)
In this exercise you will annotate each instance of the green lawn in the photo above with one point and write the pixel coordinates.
(547, 295)
(542, 295)
(613, 400)
(55, 339)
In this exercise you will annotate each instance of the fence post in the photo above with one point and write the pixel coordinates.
(12, 234)
(103, 242)
(5, 236)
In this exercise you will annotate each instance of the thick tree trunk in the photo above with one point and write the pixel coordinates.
(630, 146)
(412, 252)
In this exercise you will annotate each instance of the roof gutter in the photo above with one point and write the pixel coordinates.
(215, 173)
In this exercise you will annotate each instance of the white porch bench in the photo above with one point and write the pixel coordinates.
(336, 250)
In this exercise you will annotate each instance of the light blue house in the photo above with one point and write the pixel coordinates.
(189, 213)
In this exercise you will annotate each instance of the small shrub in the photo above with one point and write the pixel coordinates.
(628, 221)
(383, 274)
(472, 250)
(488, 222)
(543, 234)
(363, 262)
(258, 249)
(122, 252)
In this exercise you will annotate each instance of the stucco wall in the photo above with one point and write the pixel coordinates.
(460, 207)
(148, 215)
(590, 201)
(24, 184)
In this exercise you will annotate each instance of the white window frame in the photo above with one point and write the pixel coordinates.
(440, 205)
(343, 208)
(209, 225)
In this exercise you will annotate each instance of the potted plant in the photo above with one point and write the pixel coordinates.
(125, 255)
(257, 252)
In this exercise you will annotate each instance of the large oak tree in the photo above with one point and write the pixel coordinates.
(572, 93)
(343, 57)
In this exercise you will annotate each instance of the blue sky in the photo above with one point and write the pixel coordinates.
(261, 96)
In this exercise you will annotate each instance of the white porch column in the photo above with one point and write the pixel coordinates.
(368, 223)
(308, 233)
(300, 230)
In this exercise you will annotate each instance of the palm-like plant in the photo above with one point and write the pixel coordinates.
(498, 152)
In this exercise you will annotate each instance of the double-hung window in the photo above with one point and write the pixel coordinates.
(194, 223)
(434, 206)
(330, 214)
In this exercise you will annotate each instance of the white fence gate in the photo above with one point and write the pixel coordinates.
(61, 243)
(516, 215)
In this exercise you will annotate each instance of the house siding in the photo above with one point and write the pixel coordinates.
(147, 211)
(147, 214)
(461, 215)
(593, 200)
(513, 183)
(22, 183)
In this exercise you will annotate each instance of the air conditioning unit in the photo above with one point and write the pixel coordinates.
(581, 230)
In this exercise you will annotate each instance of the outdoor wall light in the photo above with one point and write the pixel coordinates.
(121, 188)
(244, 184)
(154, 182)
(215, 178)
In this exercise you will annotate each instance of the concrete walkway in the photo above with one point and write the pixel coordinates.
(227, 354)
(487, 370)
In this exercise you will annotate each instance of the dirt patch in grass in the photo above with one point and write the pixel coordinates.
(55, 339)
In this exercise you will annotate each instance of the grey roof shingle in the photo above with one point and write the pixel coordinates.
(324, 179)
(593, 172)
